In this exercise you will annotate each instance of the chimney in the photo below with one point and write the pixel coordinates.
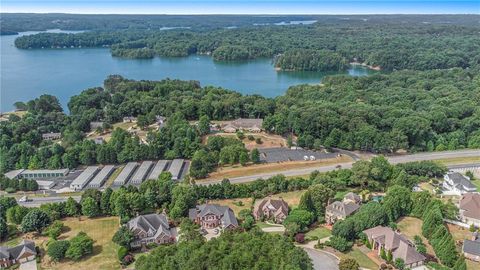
(474, 236)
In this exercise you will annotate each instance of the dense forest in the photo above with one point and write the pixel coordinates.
(416, 111)
(179, 101)
(419, 111)
(401, 43)
(248, 250)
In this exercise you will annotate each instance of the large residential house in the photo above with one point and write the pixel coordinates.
(457, 184)
(151, 228)
(276, 210)
(471, 248)
(243, 124)
(339, 210)
(470, 209)
(23, 252)
(396, 243)
(210, 216)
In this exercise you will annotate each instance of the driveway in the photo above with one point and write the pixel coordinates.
(31, 265)
(321, 260)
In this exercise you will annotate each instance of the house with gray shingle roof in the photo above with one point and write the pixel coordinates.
(340, 210)
(401, 247)
(457, 184)
(210, 216)
(151, 228)
(469, 207)
(471, 248)
(23, 252)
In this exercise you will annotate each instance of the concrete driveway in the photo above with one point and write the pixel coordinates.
(321, 260)
(31, 265)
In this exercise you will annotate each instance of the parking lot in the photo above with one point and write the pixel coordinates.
(281, 154)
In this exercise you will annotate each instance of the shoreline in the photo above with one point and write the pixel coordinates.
(377, 68)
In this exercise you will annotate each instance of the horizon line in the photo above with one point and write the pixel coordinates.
(241, 14)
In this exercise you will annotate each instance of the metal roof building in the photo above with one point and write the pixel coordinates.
(157, 170)
(36, 174)
(100, 178)
(141, 173)
(82, 180)
(176, 168)
(122, 178)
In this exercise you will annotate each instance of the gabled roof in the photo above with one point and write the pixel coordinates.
(225, 213)
(387, 236)
(472, 246)
(470, 203)
(14, 173)
(342, 208)
(272, 204)
(352, 197)
(229, 218)
(408, 253)
(150, 223)
(460, 181)
(26, 246)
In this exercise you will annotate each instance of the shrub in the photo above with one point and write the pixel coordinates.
(251, 138)
(57, 249)
(122, 252)
(10, 190)
(152, 245)
(258, 141)
(300, 238)
(80, 246)
(54, 230)
(348, 264)
(128, 259)
(339, 243)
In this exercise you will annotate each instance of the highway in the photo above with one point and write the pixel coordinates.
(37, 201)
(347, 165)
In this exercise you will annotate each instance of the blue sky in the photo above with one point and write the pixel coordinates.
(243, 6)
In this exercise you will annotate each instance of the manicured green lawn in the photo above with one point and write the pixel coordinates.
(362, 259)
(262, 225)
(319, 233)
(340, 194)
(477, 183)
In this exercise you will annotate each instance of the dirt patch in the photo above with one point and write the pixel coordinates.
(410, 226)
(268, 140)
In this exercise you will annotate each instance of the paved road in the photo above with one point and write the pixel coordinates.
(348, 165)
(321, 260)
(37, 201)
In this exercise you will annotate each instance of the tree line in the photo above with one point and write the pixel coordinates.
(332, 44)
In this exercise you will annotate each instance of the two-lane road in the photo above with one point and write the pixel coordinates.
(347, 165)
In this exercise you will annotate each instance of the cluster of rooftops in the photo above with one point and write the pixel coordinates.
(133, 173)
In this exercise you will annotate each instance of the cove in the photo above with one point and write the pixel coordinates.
(27, 74)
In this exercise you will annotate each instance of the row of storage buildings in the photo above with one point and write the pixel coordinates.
(134, 173)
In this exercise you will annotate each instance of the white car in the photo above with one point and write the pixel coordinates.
(24, 199)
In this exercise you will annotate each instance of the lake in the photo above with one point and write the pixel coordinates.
(26, 74)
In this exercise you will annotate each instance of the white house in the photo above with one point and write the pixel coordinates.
(457, 184)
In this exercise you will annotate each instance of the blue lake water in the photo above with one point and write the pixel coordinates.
(26, 74)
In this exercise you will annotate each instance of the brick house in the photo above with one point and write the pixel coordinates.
(276, 210)
(210, 216)
(396, 243)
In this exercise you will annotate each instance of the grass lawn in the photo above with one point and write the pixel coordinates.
(426, 186)
(236, 205)
(340, 194)
(361, 258)
(113, 176)
(319, 233)
(410, 226)
(292, 198)
(101, 230)
(262, 225)
(477, 183)
(460, 160)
